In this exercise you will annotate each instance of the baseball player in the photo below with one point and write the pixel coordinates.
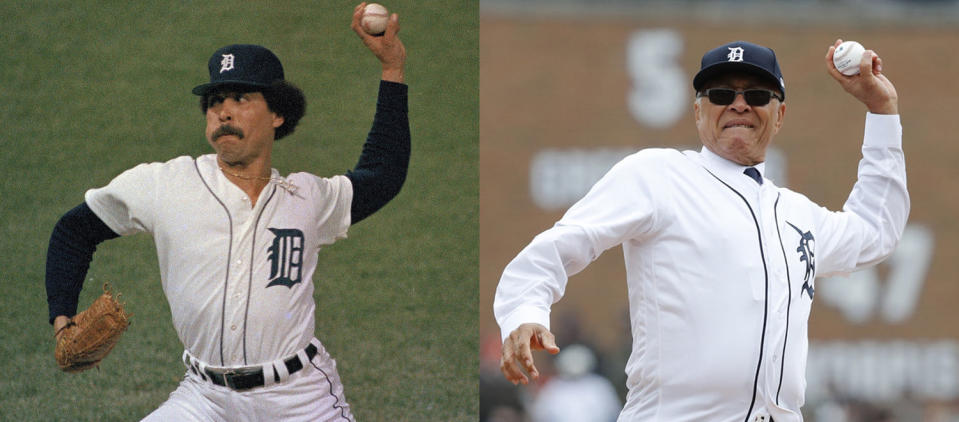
(237, 242)
(721, 263)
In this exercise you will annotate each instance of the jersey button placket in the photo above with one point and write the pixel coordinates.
(233, 337)
(779, 287)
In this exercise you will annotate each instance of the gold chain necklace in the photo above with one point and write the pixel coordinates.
(245, 177)
(290, 187)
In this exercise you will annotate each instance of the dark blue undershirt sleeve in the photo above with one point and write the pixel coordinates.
(381, 170)
(74, 239)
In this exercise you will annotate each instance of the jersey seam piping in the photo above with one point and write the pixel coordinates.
(249, 286)
(762, 254)
(789, 300)
(229, 258)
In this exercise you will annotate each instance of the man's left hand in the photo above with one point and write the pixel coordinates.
(387, 47)
(870, 86)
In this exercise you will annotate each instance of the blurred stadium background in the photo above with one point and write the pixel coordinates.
(570, 87)
(93, 87)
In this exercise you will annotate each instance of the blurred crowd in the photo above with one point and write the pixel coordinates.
(582, 383)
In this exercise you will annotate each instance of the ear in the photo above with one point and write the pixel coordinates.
(696, 115)
(277, 120)
(780, 116)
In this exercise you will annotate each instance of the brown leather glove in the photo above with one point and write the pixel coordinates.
(91, 334)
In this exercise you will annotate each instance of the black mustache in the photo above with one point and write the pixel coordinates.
(227, 130)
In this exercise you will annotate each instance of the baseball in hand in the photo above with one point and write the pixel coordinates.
(847, 57)
(374, 20)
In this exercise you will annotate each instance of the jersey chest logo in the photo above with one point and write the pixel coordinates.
(286, 257)
(807, 244)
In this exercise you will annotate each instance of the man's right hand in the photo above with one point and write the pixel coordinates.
(517, 354)
(387, 48)
(870, 86)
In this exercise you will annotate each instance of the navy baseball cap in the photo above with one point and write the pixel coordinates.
(740, 56)
(242, 64)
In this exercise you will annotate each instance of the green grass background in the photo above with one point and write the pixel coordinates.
(91, 88)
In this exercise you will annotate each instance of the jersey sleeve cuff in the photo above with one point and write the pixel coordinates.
(523, 315)
(92, 200)
(882, 130)
(346, 187)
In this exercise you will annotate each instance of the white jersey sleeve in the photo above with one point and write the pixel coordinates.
(334, 196)
(127, 203)
(873, 218)
(617, 208)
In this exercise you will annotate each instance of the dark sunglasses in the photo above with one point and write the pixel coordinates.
(726, 96)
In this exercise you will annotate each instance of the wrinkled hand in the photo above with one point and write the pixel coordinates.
(387, 47)
(517, 353)
(870, 86)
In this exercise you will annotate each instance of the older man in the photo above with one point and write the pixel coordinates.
(721, 263)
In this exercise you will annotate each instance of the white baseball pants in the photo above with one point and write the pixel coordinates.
(313, 393)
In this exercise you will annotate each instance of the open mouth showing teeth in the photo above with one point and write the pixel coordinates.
(738, 124)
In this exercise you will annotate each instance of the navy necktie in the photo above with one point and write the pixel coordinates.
(752, 172)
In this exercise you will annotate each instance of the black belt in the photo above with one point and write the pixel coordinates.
(246, 378)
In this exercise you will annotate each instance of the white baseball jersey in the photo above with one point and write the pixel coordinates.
(720, 273)
(238, 278)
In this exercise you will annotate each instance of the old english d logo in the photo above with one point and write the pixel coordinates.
(735, 54)
(286, 257)
(227, 63)
(806, 251)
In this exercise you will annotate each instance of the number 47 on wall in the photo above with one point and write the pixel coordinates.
(862, 294)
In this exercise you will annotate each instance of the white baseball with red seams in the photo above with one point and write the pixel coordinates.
(375, 18)
(847, 57)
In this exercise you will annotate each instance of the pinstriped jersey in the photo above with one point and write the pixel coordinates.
(238, 278)
(720, 272)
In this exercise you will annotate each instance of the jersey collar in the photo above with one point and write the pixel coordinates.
(726, 169)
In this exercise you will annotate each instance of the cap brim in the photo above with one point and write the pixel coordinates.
(205, 88)
(726, 67)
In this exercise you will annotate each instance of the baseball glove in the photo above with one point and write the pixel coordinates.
(91, 334)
